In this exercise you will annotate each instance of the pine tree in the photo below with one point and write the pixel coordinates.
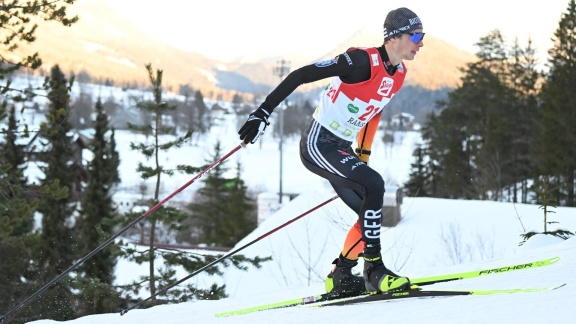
(18, 23)
(17, 207)
(201, 122)
(545, 196)
(556, 148)
(450, 170)
(488, 127)
(82, 110)
(59, 245)
(208, 206)
(523, 80)
(241, 210)
(469, 141)
(166, 218)
(417, 184)
(97, 212)
(18, 17)
(222, 207)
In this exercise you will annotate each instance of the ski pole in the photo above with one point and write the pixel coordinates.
(124, 311)
(103, 245)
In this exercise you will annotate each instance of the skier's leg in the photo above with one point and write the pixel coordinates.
(353, 244)
(376, 276)
(362, 189)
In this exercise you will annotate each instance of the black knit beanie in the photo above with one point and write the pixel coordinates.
(400, 21)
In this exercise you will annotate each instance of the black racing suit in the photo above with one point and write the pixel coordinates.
(359, 186)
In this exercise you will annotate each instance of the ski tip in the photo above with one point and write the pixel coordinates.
(547, 261)
(557, 287)
(554, 259)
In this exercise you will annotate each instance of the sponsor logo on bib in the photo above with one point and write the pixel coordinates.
(386, 87)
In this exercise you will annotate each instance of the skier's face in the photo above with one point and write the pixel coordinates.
(410, 44)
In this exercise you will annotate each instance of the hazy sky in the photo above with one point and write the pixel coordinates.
(227, 29)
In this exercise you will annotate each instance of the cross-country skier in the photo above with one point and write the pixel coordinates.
(362, 82)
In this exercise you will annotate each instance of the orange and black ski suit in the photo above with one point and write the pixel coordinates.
(362, 82)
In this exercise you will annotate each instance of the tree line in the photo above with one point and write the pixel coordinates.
(508, 132)
(48, 224)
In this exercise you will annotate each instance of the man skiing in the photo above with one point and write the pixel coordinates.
(362, 82)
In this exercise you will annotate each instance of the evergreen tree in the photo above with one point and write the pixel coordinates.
(242, 209)
(165, 216)
(523, 80)
(545, 196)
(488, 124)
(17, 206)
(13, 154)
(224, 211)
(201, 122)
(237, 102)
(469, 142)
(450, 161)
(113, 157)
(556, 148)
(81, 110)
(59, 245)
(417, 184)
(96, 215)
(168, 218)
(209, 202)
(18, 25)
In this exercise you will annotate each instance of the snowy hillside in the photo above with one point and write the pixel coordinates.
(487, 234)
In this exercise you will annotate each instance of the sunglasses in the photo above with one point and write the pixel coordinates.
(416, 37)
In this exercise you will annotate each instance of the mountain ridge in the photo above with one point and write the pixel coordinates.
(107, 46)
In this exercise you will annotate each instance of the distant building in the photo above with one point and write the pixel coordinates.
(402, 121)
(393, 198)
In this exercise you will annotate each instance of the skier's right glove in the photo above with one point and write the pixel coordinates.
(254, 126)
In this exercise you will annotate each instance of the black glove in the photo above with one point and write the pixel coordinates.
(254, 126)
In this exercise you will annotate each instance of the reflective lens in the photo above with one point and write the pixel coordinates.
(416, 37)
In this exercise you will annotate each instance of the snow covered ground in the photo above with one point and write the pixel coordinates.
(486, 232)
(435, 236)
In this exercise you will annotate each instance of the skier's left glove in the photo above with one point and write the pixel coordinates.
(254, 126)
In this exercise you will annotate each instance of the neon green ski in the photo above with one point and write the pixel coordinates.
(321, 298)
(418, 293)
(483, 272)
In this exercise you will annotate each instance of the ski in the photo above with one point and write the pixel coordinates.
(326, 297)
(418, 293)
(484, 272)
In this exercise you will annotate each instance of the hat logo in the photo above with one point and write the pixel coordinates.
(414, 21)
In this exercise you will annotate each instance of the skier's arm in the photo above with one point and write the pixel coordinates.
(351, 67)
(366, 137)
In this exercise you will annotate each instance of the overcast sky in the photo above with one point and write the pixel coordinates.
(228, 29)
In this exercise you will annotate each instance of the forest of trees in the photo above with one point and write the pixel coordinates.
(507, 133)
(74, 200)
